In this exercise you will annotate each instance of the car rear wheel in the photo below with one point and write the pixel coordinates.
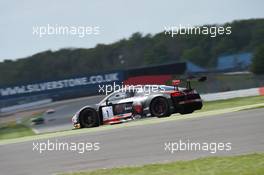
(89, 118)
(159, 107)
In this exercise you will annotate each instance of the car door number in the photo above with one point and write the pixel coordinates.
(107, 112)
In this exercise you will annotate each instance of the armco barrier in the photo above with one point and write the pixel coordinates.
(261, 91)
(233, 94)
(25, 106)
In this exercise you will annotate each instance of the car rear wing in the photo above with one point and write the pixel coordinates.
(188, 80)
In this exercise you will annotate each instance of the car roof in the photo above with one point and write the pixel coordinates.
(139, 87)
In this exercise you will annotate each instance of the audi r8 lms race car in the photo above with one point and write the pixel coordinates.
(135, 102)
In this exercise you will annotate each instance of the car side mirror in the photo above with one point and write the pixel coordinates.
(106, 102)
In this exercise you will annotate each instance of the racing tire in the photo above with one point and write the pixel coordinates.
(89, 118)
(159, 107)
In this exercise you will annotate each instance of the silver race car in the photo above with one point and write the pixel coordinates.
(135, 102)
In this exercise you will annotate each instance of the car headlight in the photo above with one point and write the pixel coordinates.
(74, 119)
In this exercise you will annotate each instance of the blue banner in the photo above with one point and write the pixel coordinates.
(87, 82)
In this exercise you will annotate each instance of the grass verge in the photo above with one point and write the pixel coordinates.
(252, 164)
(230, 103)
(13, 130)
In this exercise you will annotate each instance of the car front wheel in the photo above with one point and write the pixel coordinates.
(89, 118)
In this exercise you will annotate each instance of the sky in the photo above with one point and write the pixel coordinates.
(116, 19)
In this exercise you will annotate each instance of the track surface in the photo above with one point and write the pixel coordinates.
(138, 145)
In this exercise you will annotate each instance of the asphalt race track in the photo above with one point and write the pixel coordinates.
(136, 145)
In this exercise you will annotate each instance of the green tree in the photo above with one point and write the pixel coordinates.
(157, 54)
(195, 55)
(258, 60)
(137, 50)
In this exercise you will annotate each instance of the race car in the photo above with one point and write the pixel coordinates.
(37, 121)
(136, 102)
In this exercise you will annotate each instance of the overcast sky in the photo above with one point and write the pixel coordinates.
(117, 19)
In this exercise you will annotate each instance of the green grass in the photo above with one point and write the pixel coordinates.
(241, 101)
(252, 164)
(13, 130)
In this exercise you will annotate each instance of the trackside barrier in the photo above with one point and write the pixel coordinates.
(205, 97)
(261, 91)
(233, 94)
(25, 106)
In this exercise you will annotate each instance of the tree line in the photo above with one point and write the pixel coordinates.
(139, 50)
